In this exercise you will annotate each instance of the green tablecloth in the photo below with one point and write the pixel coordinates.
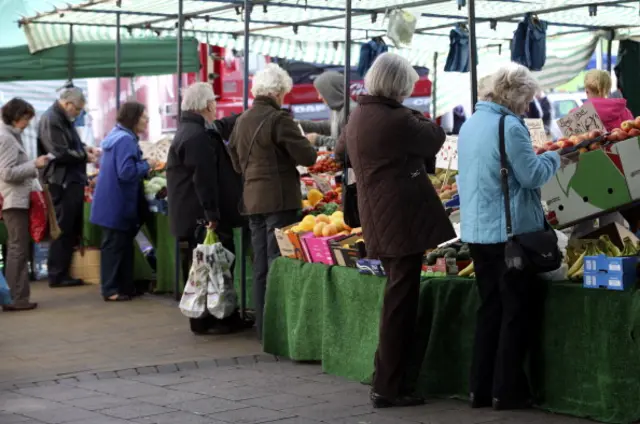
(587, 365)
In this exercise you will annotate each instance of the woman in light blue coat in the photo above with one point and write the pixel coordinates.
(503, 319)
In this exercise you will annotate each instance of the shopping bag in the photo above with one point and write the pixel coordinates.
(37, 213)
(560, 274)
(222, 299)
(5, 293)
(52, 219)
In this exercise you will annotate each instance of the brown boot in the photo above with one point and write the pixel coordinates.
(20, 307)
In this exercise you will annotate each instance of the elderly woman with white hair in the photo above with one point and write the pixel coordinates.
(202, 186)
(388, 145)
(504, 317)
(266, 146)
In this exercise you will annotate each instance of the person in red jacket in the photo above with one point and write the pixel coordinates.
(612, 111)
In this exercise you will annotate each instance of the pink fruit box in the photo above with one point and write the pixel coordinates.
(317, 249)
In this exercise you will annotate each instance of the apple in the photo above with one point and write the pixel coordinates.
(566, 144)
(627, 125)
(540, 150)
(575, 139)
(637, 122)
(594, 134)
(554, 146)
(551, 143)
(583, 150)
(594, 146)
(635, 132)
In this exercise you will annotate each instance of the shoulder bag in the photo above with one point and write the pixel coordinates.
(536, 252)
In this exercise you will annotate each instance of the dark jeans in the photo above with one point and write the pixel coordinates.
(69, 207)
(504, 326)
(265, 251)
(17, 267)
(116, 262)
(397, 324)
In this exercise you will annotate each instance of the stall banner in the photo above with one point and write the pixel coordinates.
(580, 121)
(599, 181)
(447, 157)
(537, 132)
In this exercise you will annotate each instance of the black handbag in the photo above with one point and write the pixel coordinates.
(349, 197)
(536, 252)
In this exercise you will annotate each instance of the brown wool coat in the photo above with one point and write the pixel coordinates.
(388, 145)
(271, 180)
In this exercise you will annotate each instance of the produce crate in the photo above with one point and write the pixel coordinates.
(597, 182)
(318, 248)
(290, 243)
(346, 256)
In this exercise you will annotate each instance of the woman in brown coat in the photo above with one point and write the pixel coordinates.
(401, 214)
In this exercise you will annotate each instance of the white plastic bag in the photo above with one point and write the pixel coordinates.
(193, 303)
(560, 274)
(401, 27)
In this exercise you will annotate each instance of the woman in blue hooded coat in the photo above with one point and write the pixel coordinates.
(115, 205)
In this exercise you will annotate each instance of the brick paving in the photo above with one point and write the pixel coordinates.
(137, 363)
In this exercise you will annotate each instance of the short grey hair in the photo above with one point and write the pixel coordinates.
(197, 96)
(514, 87)
(271, 81)
(485, 88)
(73, 95)
(391, 76)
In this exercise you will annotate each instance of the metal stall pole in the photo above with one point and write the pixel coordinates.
(473, 49)
(245, 106)
(118, 58)
(434, 88)
(609, 49)
(178, 262)
(347, 59)
(70, 55)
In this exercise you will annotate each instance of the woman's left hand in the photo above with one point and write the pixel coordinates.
(312, 137)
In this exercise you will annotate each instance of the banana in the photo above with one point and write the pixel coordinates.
(467, 271)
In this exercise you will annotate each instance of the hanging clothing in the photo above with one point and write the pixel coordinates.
(459, 118)
(369, 51)
(627, 73)
(458, 58)
(529, 43)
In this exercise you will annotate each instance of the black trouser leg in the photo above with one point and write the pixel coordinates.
(126, 268)
(502, 327)
(113, 261)
(68, 203)
(397, 323)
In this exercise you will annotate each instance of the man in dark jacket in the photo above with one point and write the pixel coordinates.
(67, 178)
(202, 186)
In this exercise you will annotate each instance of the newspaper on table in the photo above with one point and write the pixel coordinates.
(447, 157)
(580, 121)
(537, 132)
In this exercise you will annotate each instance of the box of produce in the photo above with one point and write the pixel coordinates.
(285, 243)
(319, 230)
(597, 255)
(346, 251)
(613, 273)
(594, 183)
(446, 261)
(371, 267)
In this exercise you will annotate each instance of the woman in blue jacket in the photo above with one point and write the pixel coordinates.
(115, 201)
(503, 319)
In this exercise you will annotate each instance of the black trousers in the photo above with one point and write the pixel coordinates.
(397, 324)
(69, 206)
(116, 262)
(265, 251)
(509, 303)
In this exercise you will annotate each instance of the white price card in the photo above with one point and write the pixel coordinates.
(537, 132)
(447, 157)
(580, 121)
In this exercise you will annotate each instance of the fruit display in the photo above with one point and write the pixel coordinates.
(156, 187)
(324, 225)
(324, 165)
(445, 184)
(602, 246)
(457, 251)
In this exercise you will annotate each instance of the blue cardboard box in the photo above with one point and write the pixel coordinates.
(595, 280)
(596, 263)
(370, 267)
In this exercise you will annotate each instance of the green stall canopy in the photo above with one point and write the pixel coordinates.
(139, 57)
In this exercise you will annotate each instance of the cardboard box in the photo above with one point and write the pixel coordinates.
(597, 182)
(290, 244)
(615, 231)
(612, 273)
(443, 267)
(344, 256)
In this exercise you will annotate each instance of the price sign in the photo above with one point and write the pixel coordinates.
(580, 121)
(323, 182)
(537, 132)
(447, 157)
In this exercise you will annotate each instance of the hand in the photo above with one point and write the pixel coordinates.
(312, 137)
(212, 225)
(90, 150)
(152, 163)
(42, 161)
(91, 157)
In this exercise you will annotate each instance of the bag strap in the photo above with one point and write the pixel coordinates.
(504, 177)
(253, 140)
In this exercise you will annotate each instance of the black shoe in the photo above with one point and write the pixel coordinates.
(505, 405)
(479, 402)
(67, 283)
(379, 401)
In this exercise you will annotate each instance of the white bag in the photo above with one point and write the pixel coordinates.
(210, 284)
(560, 274)
(401, 27)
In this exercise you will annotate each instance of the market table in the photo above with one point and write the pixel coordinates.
(587, 365)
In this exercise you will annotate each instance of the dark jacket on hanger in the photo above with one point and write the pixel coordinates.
(458, 58)
(529, 43)
(368, 53)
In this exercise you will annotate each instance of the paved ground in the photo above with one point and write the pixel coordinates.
(80, 360)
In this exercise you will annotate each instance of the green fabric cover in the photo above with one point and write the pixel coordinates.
(587, 364)
(152, 56)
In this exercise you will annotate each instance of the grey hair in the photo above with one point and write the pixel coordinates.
(391, 76)
(485, 88)
(271, 81)
(73, 95)
(514, 87)
(197, 96)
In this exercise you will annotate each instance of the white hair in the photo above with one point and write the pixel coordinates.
(485, 88)
(73, 95)
(391, 76)
(197, 96)
(514, 87)
(271, 81)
